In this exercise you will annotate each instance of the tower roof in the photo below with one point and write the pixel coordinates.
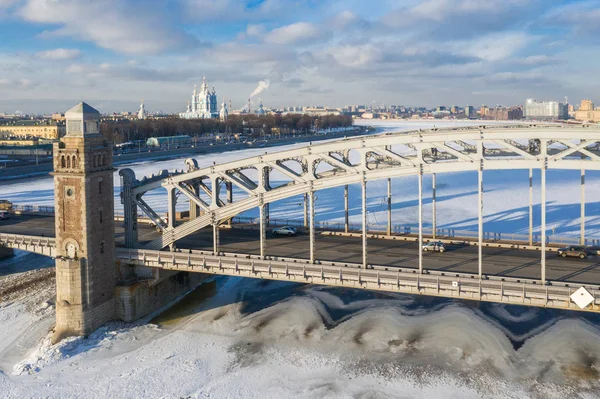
(82, 110)
(82, 120)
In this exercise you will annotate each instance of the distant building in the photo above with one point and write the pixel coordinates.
(260, 110)
(469, 111)
(545, 110)
(587, 112)
(51, 132)
(586, 105)
(505, 114)
(142, 113)
(203, 104)
(223, 113)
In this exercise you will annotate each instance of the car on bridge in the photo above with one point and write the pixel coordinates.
(434, 246)
(578, 251)
(284, 231)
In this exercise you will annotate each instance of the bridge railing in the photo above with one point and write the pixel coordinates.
(411, 230)
(33, 209)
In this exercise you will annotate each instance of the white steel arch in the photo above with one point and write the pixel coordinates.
(381, 156)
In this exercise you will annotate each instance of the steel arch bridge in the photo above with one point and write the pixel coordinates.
(355, 161)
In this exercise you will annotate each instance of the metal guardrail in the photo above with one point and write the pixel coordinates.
(379, 278)
(40, 245)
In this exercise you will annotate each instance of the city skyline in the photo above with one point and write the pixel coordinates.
(115, 53)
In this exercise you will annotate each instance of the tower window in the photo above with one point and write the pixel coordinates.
(100, 187)
(100, 216)
(102, 247)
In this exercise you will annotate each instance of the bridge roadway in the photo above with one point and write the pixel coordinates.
(459, 258)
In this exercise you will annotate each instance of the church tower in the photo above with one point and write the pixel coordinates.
(86, 273)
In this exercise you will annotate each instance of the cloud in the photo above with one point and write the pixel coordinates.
(4, 4)
(582, 20)
(539, 60)
(316, 90)
(446, 20)
(111, 24)
(59, 54)
(130, 72)
(300, 32)
(21, 83)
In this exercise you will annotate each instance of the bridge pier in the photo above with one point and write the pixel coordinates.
(86, 271)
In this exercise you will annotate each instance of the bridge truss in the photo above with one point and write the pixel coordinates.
(358, 161)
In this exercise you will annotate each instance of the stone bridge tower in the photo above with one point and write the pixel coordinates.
(86, 273)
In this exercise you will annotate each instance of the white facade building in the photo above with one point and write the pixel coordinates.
(224, 113)
(203, 104)
(545, 110)
(142, 113)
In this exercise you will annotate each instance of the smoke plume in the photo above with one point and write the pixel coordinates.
(262, 86)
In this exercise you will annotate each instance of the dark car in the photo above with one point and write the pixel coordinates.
(578, 251)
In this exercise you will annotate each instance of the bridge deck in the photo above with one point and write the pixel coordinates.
(505, 262)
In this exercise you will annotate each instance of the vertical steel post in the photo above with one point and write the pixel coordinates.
(130, 212)
(215, 237)
(263, 232)
(268, 214)
(311, 222)
(229, 187)
(433, 206)
(346, 219)
(543, 259)
(305, 210)
(171, 206)
(420, 243)
(364, 224)
(389, 207)
(582, 228)
(530, 206)
(480, 218)
(194, 208)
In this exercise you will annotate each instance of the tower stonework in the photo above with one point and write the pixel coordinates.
(86, 272)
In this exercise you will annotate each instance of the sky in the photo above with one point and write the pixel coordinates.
(115, 53)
